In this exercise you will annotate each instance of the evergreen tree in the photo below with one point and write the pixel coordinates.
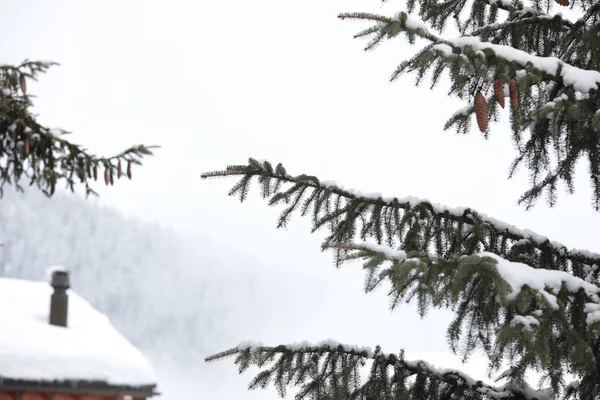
(527, 302)
(41, 154)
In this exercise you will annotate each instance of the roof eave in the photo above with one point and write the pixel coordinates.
(76, 387)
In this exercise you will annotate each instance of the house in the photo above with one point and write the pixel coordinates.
(55, 346)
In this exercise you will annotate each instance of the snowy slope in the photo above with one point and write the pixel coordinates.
(150, 282)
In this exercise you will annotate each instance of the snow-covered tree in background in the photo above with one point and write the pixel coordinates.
(525, 301)
(43, 155)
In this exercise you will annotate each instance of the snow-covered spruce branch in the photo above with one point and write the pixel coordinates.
(509, 310)
(543, 30)
(331, 370)
(488, 29)
(482, 12)
(531, 81)
(41, 155)
(416, 224)
(551, 68)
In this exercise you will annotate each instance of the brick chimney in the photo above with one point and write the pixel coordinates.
(59, 301)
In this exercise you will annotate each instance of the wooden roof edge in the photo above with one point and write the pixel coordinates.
(79, 387)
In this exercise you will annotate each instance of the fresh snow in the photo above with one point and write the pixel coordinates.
(518, 275)
(297, 346)
(582, 80)
(548, 283)
(249, 344)
(413, 23)
(390, 253)
(90, 348)
(525, 320)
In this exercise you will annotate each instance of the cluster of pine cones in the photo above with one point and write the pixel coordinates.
(481, 104)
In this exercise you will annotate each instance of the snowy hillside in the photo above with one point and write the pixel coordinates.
(150, 281)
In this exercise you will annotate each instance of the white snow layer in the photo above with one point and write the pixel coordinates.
(90, 348)
(525, 320)
(390, 253)
(582, 80)
(332, 344)
(545, 281)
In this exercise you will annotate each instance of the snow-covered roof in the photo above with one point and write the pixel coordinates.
(89, 349)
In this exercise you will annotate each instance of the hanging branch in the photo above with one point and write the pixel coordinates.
(330, 370)
(43, 155)
(415, 224)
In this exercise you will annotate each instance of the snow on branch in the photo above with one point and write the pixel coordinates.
(416, 224)
(547, 283)
(549, 61)
(535, 318)
(555, 69)
(481, 13)
(335, 368)
(581, 80)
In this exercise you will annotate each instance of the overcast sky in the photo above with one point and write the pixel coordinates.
(216, 82)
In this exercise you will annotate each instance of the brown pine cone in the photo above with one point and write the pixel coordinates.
(23, 83)
(513, 89)
(499, 92)
(481, 112)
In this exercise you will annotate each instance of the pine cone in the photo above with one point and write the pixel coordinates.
(119, 170)
(106, 176)
(23, 83)
(95, 172)
(26, 145)
(499, 92)
(513, 89)
(129, 169)
(562, 2)
(481, 112)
